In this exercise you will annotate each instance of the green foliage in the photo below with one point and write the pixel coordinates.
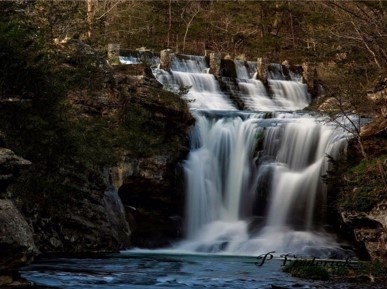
(368, 183)
(148, 133)
(56, 21)
(302, 270)
(66, 149)
(23, 69)
(375, 268)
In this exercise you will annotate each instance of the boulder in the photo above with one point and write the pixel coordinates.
(94, 223)
(17, 246)
(370, 229)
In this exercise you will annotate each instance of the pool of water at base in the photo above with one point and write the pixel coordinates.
(147, 269)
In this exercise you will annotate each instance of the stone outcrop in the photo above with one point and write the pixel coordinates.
(214, 60)
(370, 229)
(147, 177)
(94, 223)
(165, 59)
(263, 69)
(378, 95)
(10, 165)
(378, 128)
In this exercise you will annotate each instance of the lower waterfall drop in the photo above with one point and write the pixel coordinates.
(230, 157)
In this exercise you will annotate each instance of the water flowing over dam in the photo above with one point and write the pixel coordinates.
(254, 173)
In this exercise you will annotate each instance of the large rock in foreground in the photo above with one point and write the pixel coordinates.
(17, 245)
(94, 223)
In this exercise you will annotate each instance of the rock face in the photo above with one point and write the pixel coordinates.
(365, 186)
(17, 245)
(153, 199)
(95, 223)
(148, 178)
(370, 229)
(10, 165)
(378, 95)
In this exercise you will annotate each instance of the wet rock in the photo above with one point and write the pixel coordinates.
(227, 68)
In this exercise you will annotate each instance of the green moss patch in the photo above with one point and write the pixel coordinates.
(368, 184)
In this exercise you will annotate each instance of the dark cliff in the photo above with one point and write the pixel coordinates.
(110, 133)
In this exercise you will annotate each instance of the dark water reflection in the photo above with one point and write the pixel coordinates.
(152, 270)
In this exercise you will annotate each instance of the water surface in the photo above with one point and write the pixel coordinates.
(152, 269)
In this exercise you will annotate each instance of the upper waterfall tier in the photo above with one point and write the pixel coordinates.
(189, 76)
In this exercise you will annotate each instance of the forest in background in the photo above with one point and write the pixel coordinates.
(347, 37)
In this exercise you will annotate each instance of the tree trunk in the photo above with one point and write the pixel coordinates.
(90, 17)
(188, 25)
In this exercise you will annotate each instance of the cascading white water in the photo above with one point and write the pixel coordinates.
(219, 170)
(253, 178)
(204, 91)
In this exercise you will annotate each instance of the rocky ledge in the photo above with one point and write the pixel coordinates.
(370, 229)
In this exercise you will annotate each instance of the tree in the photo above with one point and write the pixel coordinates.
(188, 14)
(361, 24)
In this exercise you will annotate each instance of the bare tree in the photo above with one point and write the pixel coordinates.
(191, 10)
(361, 24)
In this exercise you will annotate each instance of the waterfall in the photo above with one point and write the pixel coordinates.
(204, 90)
(253, 177)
